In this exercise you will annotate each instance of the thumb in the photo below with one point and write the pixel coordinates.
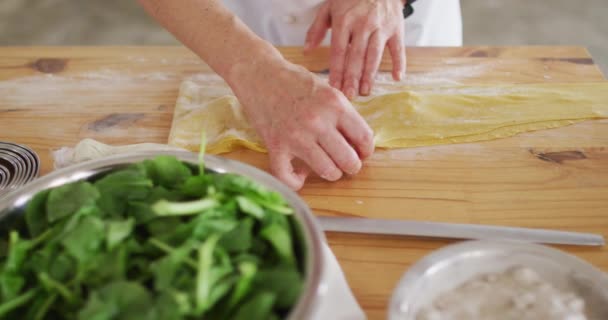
(318, 29)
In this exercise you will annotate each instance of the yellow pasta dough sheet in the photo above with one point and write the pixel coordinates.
(403, 116)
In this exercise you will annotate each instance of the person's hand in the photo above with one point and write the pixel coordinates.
(299, 116)
(360, 31)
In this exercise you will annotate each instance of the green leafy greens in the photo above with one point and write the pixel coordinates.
(156, 240)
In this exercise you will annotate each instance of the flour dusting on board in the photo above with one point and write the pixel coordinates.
(445, 75)
(114, 75)
(50, 85)
(73, 88)
(113, 102)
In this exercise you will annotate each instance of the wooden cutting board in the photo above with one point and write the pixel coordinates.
(55, 96)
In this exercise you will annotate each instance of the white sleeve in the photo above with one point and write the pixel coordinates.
(434, 23)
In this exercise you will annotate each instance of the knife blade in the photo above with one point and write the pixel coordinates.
(457, 231)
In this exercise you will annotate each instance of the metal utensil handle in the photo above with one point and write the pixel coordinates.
(457, 231)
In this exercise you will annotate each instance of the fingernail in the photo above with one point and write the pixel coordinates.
(332, 176)
(350, 93)
(307, 46)
(365, 89)
(354, 171)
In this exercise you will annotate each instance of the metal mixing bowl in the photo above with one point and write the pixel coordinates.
(451, 266)
(311, 237)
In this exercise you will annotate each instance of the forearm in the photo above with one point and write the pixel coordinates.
(215, 34)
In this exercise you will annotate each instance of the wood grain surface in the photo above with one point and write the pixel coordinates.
(55, 96)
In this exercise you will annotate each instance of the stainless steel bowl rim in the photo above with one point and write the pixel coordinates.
(315, 276)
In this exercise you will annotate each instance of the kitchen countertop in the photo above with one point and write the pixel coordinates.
(55, 96)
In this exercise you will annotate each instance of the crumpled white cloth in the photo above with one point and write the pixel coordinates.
(89, 149)
(337, 300)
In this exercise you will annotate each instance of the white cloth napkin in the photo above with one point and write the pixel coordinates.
(89, 149)
(337, 300)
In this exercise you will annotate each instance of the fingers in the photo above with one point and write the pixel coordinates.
(397, 50)
(358, 133)
(318, 160)
(281, 167)
(356, 58)
(340, 37)
(342, 154)
(318, 29)
(373, 57)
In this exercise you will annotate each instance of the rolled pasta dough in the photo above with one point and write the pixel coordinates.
(404, 116)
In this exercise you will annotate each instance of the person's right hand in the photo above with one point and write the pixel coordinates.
(298, 115)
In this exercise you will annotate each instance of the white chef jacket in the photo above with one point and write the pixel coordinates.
(285, 22)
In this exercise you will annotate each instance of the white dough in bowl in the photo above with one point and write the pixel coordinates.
(519, 293)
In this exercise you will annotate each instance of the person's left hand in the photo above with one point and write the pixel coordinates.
(360, 31)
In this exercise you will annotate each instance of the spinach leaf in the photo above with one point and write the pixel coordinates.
(104, 267)
(236, 184)
(167, 171)
(239, 238)
(285, 282)
(11, 284)
(35, 214)
(38, 309)
(51, 284)
(11, 280)
(258, 307)
(163, 227)
(168, 307)
(196, 186)
(120, 187)
(203, 227)
(61, 267)
(250, 207)
(141, 210)
(118, 231)
(97, 309)
(280, 239)
(65, 200)
(50, 259)
(166, 269)
(243, 286)
(203, 278)
(120, 300)
(86, 239)
(166, 208)
(222, 285)
(9, 305)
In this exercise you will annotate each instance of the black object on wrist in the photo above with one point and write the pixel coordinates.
(408, 10)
